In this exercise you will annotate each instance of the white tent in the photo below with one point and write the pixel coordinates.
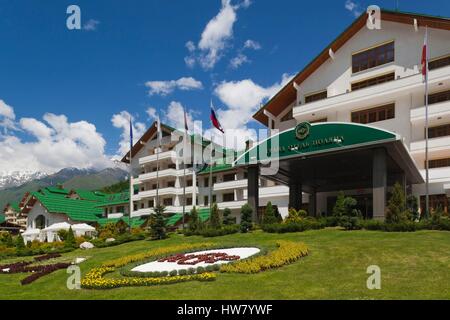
(83, 229)
(52, 231)
(30, 234)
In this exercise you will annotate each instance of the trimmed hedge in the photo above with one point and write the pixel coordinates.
(210, 232)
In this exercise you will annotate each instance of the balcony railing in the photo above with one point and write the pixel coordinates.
(235, 184)
(441, 109)
(434, 145)
(162, 156)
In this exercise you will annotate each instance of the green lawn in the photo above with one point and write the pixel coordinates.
(413, 265)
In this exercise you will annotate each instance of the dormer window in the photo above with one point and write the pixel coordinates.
(375, 56)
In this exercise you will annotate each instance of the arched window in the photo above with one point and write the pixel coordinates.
(40, 222)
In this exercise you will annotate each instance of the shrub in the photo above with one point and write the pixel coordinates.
(286, 253)
(62, 234)
(295, 215)
(158, 224)
(396, 210)
(201, 270)
(246, 218)
(182, 272)
(173, 273)
(191, 271)
(412, 204)
(227, 220)
(214, 220)
(20, 244)
(209, 233)
(194, 221)
(300, 226)
(345, 212)
(70, 240)
(269, 214)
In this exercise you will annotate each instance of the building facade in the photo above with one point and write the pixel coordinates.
(366, 79)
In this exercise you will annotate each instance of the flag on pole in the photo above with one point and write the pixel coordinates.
(186, 128)
(215, 122)
(424, 60)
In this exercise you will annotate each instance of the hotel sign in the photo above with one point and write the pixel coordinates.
(306, 139)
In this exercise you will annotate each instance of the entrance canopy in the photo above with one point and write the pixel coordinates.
(331, 155)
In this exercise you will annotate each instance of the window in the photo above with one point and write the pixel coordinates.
(189, 183)
(189, 201)
(316, 96)
(205, 200)
(374, 114)
(439, 97)
(170, 184)
(228, 197)
(373, 81)
(206, 182)
(373, 57)
(151, 203)
(168, 201)
(214, 180)
(439, 163)
(135, 207)
(105, 212)
(288, 116)
(214, 198)
(436, 201)
(439, 131)
(439, 62)
(245, 175)
(228, 177)
(154, 186)
(142, 205)
(172, 166)
(120, 209)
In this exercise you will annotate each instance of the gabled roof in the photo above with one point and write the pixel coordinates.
(288, 93)
(146, 137)
(90, 195)
(77, 210)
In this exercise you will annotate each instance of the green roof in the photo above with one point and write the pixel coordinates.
(91, 195)
(77, 210)
(203, 214)
(56, 190)
(2, 218)
(216, 168)
(135, 222)
(171, 221)
(115, 199)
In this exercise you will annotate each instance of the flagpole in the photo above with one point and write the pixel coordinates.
(158, 142)
(210, 173)
(184, 178)
(427, 178)
(131, 176)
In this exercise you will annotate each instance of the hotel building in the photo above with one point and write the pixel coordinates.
(353, 119)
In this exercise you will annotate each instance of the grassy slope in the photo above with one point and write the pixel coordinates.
(413, 265)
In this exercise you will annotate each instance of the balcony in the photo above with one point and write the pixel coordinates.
(438, 174)
(162, 173)
(434, 145)
(275, 191)
(369, 96)
(235, 184)
(441, 109)
(165, 191)
(171, 155)
(232, 204)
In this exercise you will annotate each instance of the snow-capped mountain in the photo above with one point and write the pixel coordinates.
(17, 178)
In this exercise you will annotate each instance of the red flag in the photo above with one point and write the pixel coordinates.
(215, 121)
(424, 60)
(186, 128)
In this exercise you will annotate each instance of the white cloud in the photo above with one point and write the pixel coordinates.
(122, 121)
(251, 44)
(152, 113)
(7, 116)
(215, 37)
(166, 87)
(239, 60)
(91, 25)
(55, 144)
(353, 7)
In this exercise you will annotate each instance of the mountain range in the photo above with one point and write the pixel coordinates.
(15, 187)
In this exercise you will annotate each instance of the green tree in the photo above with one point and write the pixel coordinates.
(9, 240)
(227, 220)
(214, 220)
(20, 244)
(194, 220)
(295, 215)
(396, 210)
(346, 213)
(412, 204)
(158, 224)
(269, 214)
(70, 239)
(246, 218)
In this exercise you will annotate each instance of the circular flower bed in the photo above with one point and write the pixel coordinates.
(197, 259)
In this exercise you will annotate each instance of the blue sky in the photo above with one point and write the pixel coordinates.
(125, 50)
